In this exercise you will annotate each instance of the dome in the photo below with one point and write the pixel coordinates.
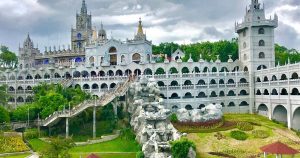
(101, 33)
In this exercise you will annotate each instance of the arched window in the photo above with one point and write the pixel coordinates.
(188, 83)
(79, 36)
(174, 83)
(261, 43)
(258, 92)
(136, 58)
(92, 60)
(112, 50)
(261, 31)
(174, 96)
(188, 95)
(261, 55)
(185, 70)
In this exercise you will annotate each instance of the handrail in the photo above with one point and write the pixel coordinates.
(102, 101)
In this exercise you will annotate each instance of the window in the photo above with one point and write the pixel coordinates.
(79, 36)
(261, 55)
(244, 45)
(261, 31)
(261, 43)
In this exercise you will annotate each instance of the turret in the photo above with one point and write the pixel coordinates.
(140, 33)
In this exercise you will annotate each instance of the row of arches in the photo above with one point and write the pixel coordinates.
(21, 99)
(283, 77)
(95, 86)
(280, 114)
(204, 95)
(201, 106)
(202, 82)
(19, 88)
(295, 91)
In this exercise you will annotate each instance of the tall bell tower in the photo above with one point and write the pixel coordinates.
(256, 38)
(83, 32)
(256, 44)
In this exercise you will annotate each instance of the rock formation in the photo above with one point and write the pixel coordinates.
(149, 119)
(208, 113)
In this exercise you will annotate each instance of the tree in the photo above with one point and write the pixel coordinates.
(4, 115)
(3, 95)
(180, 148)
(8, 59)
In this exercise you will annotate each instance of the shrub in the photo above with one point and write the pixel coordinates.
(238, 135)
(33, 133)
(244, 126)
(4, 115)
(260, 134)
(173, 118)
(140, 154)
(180, 148)
(298, 133)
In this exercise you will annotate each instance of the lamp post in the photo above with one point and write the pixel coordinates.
(28, 118)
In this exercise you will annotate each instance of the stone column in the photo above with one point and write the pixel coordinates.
(94, 122)
(67, 127)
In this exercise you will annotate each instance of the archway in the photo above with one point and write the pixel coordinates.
(119, 73)
(296, 119)
(95, 86)
(188, 95)
(263, 110)
(274, 92)
(174, 96)
(295, 76)
(174, 83)
(295, 91)
(136, 58)
(173, 70)
(189, 107)
(201, 106)
(148, 71)
(280, 114)
(185, 70)
(201, 95)
(113, 56)
(187, 83)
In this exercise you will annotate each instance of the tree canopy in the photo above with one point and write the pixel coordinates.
(49, 98)
(8, 59)
(223, 48)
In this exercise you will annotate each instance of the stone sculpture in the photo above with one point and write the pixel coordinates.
(208, 113)
(149, 120)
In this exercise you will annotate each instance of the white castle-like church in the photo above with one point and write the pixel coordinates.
(97, 64)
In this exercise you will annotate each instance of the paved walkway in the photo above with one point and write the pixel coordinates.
(34, 155)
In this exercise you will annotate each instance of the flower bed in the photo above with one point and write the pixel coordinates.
(11, 144)
(203, 127)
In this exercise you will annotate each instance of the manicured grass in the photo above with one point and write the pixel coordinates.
(208, 142)
(16, 156)
(107, 155)
(37, 145)
(117, 145)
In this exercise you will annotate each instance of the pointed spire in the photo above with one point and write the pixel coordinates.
(83, 8)
(140, 28)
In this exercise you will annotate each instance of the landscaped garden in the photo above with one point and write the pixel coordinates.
(243, 140)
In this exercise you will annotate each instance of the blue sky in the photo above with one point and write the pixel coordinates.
(49, 21)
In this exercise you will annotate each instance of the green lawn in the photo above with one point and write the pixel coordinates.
(107, 155)
(208, 142)
(16, 156)
(37, 145)
(117, 145)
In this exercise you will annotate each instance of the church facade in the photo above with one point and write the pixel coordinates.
(96, 63)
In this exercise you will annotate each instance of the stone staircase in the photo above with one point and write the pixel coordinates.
(121, 89)
(67, 82)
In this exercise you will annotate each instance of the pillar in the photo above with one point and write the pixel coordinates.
(94, 122)
(114, 103)
(67, 127)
